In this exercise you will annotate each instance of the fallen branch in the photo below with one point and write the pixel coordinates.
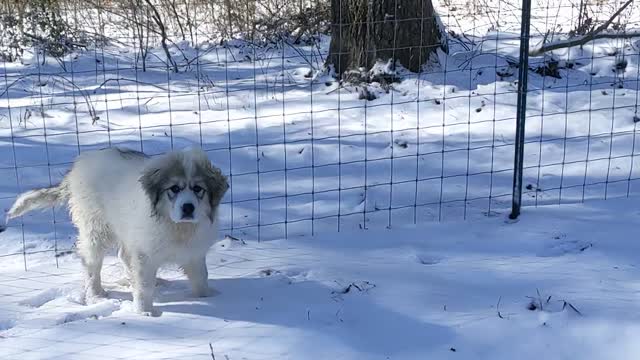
(118, 80)
(581, 41)
(592, 35)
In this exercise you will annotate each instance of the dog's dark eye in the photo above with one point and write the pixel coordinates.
(197, 189)
(175, 189)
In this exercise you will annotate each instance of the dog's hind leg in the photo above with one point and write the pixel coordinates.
(198, 276)
(91, 251)
(93, 239)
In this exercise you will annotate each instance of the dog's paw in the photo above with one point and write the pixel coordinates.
(94, 297)
(146, 310)
(152, 313)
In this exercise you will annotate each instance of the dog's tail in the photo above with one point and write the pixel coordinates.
(39, 199)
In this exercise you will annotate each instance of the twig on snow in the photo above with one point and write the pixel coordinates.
(498, 308)
(565, 303)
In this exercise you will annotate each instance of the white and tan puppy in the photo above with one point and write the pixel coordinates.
(155, 211)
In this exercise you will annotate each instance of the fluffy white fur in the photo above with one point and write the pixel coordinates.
(124, 199)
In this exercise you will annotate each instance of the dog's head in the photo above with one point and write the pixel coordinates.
(184, 186)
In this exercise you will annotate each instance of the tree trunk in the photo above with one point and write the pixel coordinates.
(366, 31)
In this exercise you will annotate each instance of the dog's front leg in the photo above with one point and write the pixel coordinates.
(143, 283)
(198, 275)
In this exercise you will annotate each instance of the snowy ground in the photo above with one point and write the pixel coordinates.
(440, 291)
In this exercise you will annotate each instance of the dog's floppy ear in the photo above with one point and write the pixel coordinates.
(216, 184)
(152, 184)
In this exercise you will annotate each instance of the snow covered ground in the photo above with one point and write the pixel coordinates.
(561, 283)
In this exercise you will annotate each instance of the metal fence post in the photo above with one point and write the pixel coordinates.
(521, 114)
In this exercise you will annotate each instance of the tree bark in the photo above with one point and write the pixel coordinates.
(364, 32)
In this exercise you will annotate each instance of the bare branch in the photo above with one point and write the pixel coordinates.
(87, 98)
(157, 18)
(592, 35)
(133, 81)
(581, 41)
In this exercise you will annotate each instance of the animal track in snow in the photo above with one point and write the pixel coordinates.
(49, 295)
(564, 248)
(427, 259)
(97, 310)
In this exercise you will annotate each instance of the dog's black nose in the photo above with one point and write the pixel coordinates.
(187, 209)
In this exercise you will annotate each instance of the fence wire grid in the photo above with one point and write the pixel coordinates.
(306, 153)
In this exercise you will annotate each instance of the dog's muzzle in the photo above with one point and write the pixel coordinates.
(187, 211)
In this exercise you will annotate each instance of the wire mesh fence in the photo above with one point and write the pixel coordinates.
(581, 123)
(306, 152)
